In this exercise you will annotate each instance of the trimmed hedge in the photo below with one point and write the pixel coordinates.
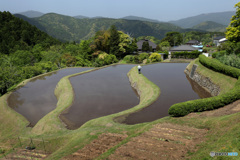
(186, 55)
(184, 108)
(219, 67)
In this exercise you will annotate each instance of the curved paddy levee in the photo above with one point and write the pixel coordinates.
(35, 99)
(175, 88)
(100, 93)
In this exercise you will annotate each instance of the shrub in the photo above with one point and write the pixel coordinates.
(142, 56)
(214, 55)
(230, 60)
(186, 55)
(105, 59)
(184, 108)
(155, 57)
(131, 58)
(219, 67)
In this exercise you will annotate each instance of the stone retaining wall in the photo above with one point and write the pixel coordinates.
(203, 81)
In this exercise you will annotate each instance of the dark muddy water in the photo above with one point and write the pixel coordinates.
(175, 88)
(36, 98)
(100, 93)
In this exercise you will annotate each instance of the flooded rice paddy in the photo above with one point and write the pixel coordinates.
(105, 91)
(174, 86)
(36, 98)
(100, 93)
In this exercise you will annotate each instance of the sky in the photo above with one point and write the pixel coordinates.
(163, 10)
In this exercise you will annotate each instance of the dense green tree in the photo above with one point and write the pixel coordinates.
(174, 38)
(145, 46)
(233, 30)
(114, 41)
(101, 41)
(132, 46)
(17, 34)
(85, 49)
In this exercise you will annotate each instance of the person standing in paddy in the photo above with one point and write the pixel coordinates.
(139, 69)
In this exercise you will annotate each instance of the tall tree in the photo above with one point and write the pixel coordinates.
(233, 30)
(145, 46)
(114, 41)
(174, 38)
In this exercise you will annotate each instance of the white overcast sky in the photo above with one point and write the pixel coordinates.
(163, 10)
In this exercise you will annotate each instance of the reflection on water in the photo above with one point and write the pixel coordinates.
(174, 86)
(99, 93)
(37, 98)
(202, 93)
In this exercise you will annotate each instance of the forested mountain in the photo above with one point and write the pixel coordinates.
(17, 34)
(140, 19)
(220, 17)
(80, 17)
(31, 14)
(68, 28)
(25, 51)
(210, 27)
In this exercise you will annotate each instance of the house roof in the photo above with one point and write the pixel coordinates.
(222, 40)
(218, 38)
(140, 43)
(193, 42)
(183, 48)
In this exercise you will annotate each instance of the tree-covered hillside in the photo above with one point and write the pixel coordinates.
(17, 34)
(210, 27)
(68, 28)
(26, 51)
(221, 18)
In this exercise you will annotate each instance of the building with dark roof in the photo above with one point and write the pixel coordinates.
(182, 48)
(217, 39)
(192, 42)
(151, 44)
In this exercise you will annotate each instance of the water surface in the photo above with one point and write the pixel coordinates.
(36, 98)
(100, 93)
(174, 86)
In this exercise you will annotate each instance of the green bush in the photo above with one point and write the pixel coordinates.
(155, 57)
(219, 67)
(230, 60)
(214, 55)
(131, 58)
(184, 108)
(186, 55)
(142, 56)
(105, 59)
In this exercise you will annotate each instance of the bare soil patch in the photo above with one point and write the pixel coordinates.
(23, 154)
(163, 141)
(97, 147)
